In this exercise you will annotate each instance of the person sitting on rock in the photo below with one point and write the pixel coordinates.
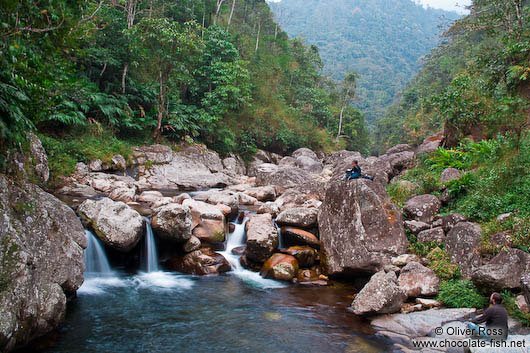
(355, 173)
(496, 319)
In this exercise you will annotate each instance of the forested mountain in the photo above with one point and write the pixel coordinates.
(382, 40)
(221, 72)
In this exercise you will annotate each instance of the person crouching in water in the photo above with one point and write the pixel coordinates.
(355, 173)
(496, 319)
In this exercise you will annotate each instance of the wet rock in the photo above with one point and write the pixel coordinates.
(416, 226)
(431, 143)
(149, 196)
(450, 174)
(450, 220)
(309, 164)
(417, 280)
(503, 271)
(404, 259)
(299, 236)
(305, 255)
(461, 244)
(269, 207)
(298, 217)
(306, 275)
(262, 193)
(284, 177)
(227, 198)
(192, 244)
(280, 267)
(249, 264)
(231, 227)
(208, 221)
(360, 229)
(422, 208)
(240, 250)
(200, 262)
(381, 295)
(41, 259)
(173, 222)
(433, 235)
(116, 224)
(39, 157)
(262, 237)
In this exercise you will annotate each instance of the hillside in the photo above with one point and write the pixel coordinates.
(382, 40)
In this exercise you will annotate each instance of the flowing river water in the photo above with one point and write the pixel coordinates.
(157, 311)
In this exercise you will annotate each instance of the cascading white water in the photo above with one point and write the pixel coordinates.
(96, 262)
(236, 239)
(150, 260)
(281, 244)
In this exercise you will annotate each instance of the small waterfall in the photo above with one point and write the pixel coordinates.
(96, 262)
(150, 260)
(281, 244)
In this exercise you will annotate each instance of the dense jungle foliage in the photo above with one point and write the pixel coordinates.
(382, 40)
(219, 71)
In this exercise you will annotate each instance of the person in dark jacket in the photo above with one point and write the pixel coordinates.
(355, 172)
(496, 319)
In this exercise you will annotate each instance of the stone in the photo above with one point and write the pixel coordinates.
(461, 244)
(262, 238)
(287, 161)
(416, 226)
(269, 207)
(450, 220)
(280, 267)
(525, 285)
(306, 152)
(432, 235)
(503, 271)
(305, 255)
(180, 198)
(249, 264)
(420, 323)
(173, 222)
(299, 236)
(262, 193)
(263, 156)
(78, 190)
(284, 177)
(116, 224)
(428, 303)
(521, 303)
(192, 244)
(407, 186)
(210, 231)
(305, 275)
(200, 262)
(399, 148)
(450, 174)
(417, 280)
(404, 259)
(431, 143)
(39, 157)
(504, 217)
(123, 194)
(502, 239)
(207, 221)
(162, 202)
(157, 154)
(360, 229)
(234, 165)
(381, 295)
(118, 163)
(149, 196)
(400, 161)
(96, 165)
(227, 198)
(410, 308)
(298, 217)
(41, 261)
(308, 164)
(246, 200)
(240, 250)
(422, 208)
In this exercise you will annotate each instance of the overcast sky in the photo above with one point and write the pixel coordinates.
(450, 5)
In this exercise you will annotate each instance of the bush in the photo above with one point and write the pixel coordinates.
(460, 294)
(513, 310)
(440, 263)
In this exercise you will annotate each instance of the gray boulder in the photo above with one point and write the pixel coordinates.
(399, 148)
(417, 280)
(262, 193)
(450, 220)
(118, 162)
(262, 238)
(431, 143)
(503, 271)
(422, 208)
(525, 285)
(234, 165)
(173, 222)
(461, 244)
(41, 261)
(299, 217)
(284, 177)
(360, 229)
(450, 174)
(287, 161)
(39, 157)
(308, 164)
(400, 161)
(306, 152)
(416, 226)
(381, 295)
(435, 234)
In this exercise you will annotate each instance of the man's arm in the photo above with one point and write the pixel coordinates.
(482, 318)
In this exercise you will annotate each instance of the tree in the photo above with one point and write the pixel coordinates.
(348, 93)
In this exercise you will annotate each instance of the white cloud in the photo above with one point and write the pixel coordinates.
(449, 5)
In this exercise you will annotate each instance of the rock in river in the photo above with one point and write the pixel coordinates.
(281, 267)
(381, 295)
(262, 237)
(200, 262)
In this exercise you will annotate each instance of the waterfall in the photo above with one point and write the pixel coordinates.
(281, 244)
(150, 260)
(96, 262)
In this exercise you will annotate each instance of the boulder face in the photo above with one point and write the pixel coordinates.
(39, 157)
(422, 208)
(300, 236)
(200, 262)
(435, 234)
(360, 229)
(525, 284)
(262, 238)
(281, 267)
(461, 243)
(173, 222)
(41, 259)
(450, 174)
(284, 177)
(114, 223)
(417, 280)
(381, 295)
(299, 217)
(503, 271)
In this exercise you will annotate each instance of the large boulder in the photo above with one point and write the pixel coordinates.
(262, 193)
(525, 285)
(417, 280)
(381, 295)
(298, 217)
(503, 271)
(200, 262)
(305, 152)
(41, 261)
(299, 236)
(416, 226)
(208, 221)
(262, 238)
(360, 229)
(234, 165)
(227, 198)
(431, 143)
(305, 255)
(116, 224)
(284, 177)
(39, 158)
(422, 208)
(461, 244)
(281, 267)
(432, 235)
(173, 222)
(400, 161)
(450, 174)
(450, 220)
(309, 164)
(398, 148)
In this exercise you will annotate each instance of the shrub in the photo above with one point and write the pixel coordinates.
(513, 310)
(440, 263)
(460, 294)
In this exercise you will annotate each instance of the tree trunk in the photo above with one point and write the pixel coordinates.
(123, 76)
(340, 123)
(218, 10)
(276, 31)
(231, 14)
(161, 105)
(257, 37)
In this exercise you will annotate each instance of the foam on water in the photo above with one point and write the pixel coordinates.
(161, 280)
(98, 284)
